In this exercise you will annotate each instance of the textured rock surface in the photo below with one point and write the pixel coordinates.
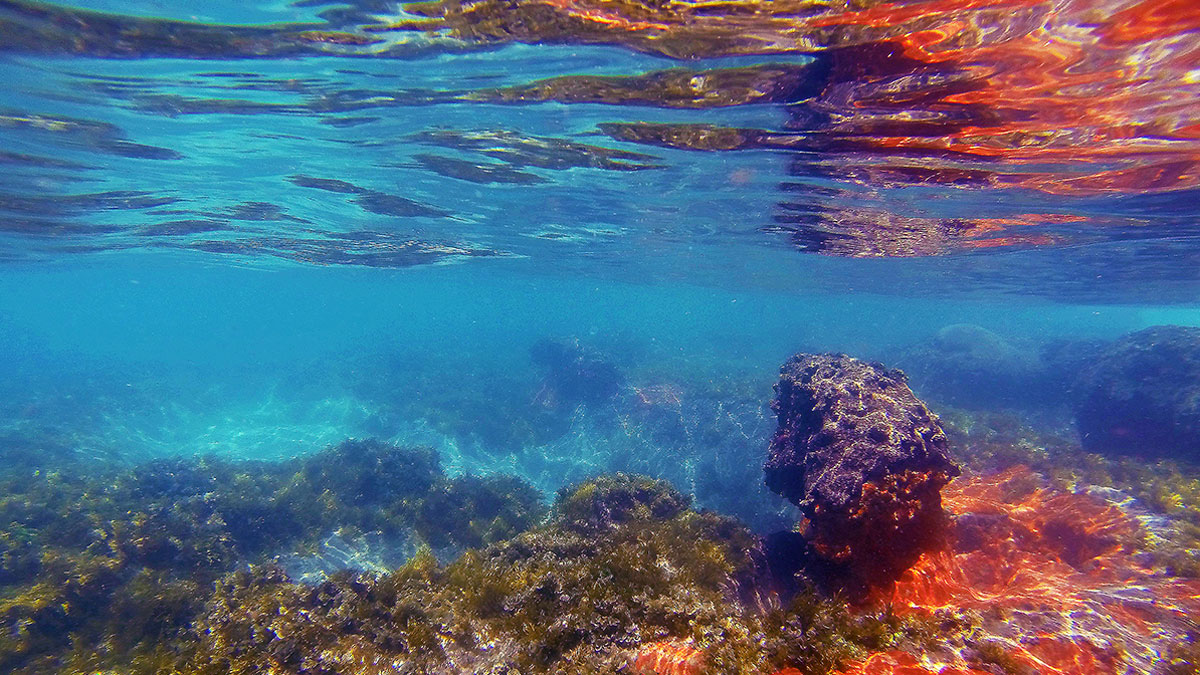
(865, 461)
(1142, 395)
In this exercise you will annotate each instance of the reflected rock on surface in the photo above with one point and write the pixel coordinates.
(1142, 395)
(865, 461)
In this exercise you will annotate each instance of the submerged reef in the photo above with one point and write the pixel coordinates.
(1141, 395)
(624, 577)
(170, 567)
(103, 567)
(971, 366)
(367, 558)
(865, 461)
(622, 561)
(575, 374)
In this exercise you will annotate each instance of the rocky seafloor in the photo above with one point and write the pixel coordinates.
(928, 539)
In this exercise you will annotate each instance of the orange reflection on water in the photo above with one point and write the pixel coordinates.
(1112, 85)
(1104, 89)
(866, 232)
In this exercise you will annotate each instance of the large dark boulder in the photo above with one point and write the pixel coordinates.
(1141, 395)
(865, 461)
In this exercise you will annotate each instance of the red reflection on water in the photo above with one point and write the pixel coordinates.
(1109, 87)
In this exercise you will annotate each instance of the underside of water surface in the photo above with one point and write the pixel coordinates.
(650, 337)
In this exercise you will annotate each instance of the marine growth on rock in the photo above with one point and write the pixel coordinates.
(865, 461)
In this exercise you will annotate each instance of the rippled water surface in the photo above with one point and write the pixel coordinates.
(1044, 148)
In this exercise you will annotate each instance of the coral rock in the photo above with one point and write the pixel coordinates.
(574, 374)
(865, 461)
(970, 366)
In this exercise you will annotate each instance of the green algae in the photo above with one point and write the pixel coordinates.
(157, 580)
(607, 501)
(579, 591)
(108, 568)
(622, 562)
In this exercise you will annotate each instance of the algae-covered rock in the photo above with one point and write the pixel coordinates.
(370, 472)
(865, 461)
(576, 595)
(108, 567)
(473, 511)
(1141, 395)
(622, 567)
(606, 502)
(623, 578)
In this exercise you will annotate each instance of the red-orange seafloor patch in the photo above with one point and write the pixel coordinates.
(1056, 579)
(669, 658)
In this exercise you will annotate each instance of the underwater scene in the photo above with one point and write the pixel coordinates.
(629, 337)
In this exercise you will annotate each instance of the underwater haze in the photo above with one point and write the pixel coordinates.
(503, 336)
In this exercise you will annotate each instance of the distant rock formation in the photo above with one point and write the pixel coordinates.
(1141, 395)
(968, 365)
(574, 374)
(865, 461)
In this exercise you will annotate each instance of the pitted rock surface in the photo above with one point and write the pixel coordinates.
(864, 459)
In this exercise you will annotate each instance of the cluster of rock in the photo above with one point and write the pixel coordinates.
(1137, 395)
(1141, 395)
(971, 366)
(865, 460)
(574, 374)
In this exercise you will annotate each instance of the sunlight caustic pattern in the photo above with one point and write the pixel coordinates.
(1057, 578)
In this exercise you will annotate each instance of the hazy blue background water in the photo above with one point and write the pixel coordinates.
(179, 280)
(166, 353)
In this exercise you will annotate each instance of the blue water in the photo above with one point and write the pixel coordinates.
(206, 255)
(181, 275)
(237, 234)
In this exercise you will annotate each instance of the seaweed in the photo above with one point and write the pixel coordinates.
(179, 566)
(107, 566)
(622, 572)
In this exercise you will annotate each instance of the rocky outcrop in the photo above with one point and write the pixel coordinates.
(971, 366)
(865, 461)
(1141, 395)
(574, 374)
